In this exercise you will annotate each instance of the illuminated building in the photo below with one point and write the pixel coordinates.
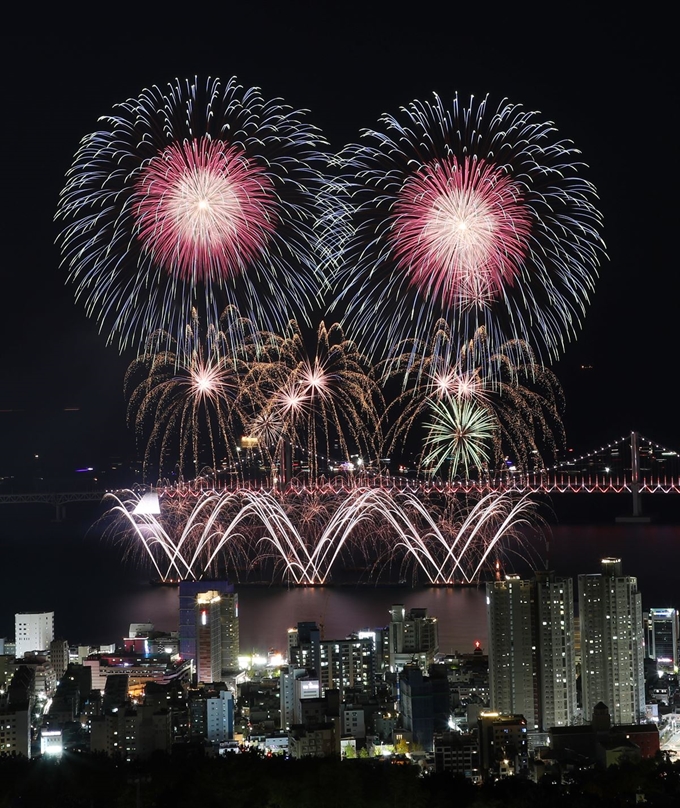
(220, 717)
(380, 637)
(229, 627)
(412, 634)
(339, 664)
(34, 631)
(132, 733)
(612, 643)
(346, 664)
(314, 740)
(661, 630)
(208, 637)
(209, 610)
(353, 721)
(295, 684)
(51, 742)
(15, 730)
(304, 646)
(531, 649)
(138, 669)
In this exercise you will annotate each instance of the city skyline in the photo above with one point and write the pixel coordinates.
(326, 299)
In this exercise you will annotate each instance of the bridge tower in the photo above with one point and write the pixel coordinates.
(635, 483)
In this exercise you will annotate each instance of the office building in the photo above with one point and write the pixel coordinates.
(208, 627)
(661, 635)
(208, 637)
(532, 669)
(295, 685)
(612, 643)
(34, 631)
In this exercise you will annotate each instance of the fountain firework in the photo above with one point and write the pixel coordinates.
(306, 534)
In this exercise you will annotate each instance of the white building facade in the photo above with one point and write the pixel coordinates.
(33, 631)
(220, 717)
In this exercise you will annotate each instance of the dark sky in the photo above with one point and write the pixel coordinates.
(606, 81)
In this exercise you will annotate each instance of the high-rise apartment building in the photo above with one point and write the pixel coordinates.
(209, 627)
(338, 664)
(412, 635)
(612, 643)
(556, 650)
(34, 631)
(531, 649)
(230, 631)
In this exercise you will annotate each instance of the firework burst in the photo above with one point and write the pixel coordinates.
(522, 399)
(460, 434)
(341, 396)
(181, 403)
(324, 403)
(472, 214)
(193, 198)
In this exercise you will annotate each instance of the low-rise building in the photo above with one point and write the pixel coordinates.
(15, 730)
(314, 740)
(457, 753)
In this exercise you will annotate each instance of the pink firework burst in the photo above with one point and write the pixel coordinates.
(461, 231)
(204, 211)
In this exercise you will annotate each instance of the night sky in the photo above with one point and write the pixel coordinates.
(606, 81)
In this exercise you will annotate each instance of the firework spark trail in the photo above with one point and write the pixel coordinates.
(196, 197)
(469, 213)
(222, 527)
(522, 398)
(151, 534)
(174, 398)
(341, 392)
(313, 399)
(518, 515)
(279, 531)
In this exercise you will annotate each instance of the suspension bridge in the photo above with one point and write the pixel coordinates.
(633, 465)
